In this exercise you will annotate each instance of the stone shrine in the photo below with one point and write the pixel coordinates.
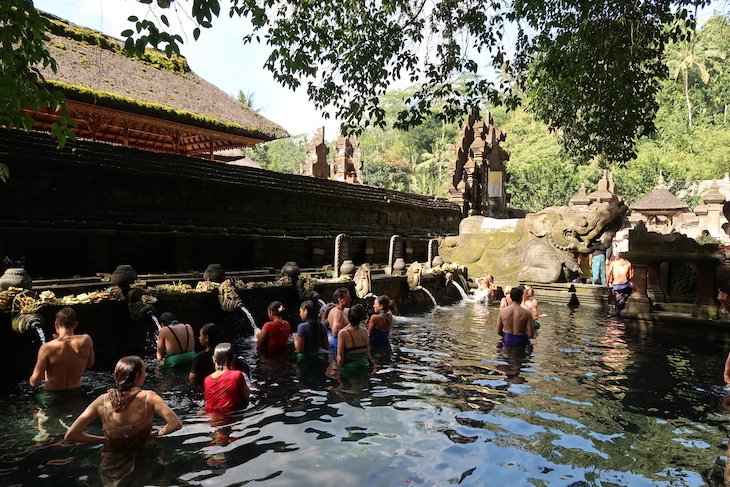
(315, 164)
(348, 164)
(478, 170)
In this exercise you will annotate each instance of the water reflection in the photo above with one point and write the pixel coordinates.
(594, 400)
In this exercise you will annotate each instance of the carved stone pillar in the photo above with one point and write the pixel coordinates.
(342, 256)
(433, 251)
(638, 302)
(396, 264)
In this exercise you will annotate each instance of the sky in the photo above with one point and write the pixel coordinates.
(219, 56)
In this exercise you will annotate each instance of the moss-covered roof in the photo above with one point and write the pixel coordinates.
(92, 67)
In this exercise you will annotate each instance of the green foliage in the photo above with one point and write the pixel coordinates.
(283, 155)
(22, 37)
(594, 76)
(389, 175)
(247, 99)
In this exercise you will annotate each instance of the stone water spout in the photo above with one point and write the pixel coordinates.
(140, 304)
(231, 302)
(25, 316)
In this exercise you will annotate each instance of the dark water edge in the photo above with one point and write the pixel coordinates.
(596, 402)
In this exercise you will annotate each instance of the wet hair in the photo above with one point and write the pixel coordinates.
(356, 315)
(276, 308)
(211, 330)
(340, 292)
(125, 373)
(222, 355)
(386, 303)
(66, 317)
(516, 294)
(309, 307)
(167, 318)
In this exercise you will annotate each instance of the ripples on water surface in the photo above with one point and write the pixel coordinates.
(596, 402)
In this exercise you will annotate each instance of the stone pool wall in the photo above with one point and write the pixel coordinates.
(116, 334)
(90, 206)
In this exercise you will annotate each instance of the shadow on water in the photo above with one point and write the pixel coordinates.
(594, 400)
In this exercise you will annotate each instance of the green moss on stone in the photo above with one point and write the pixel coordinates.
(176, 64)
(158, 110)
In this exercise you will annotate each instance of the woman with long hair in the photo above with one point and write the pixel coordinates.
(225, 389)
(352, 343)
(381, 322)
(126, 413)
(274, 335)
(311, 334)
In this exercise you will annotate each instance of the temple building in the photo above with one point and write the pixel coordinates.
(154, 103)
(145, 182)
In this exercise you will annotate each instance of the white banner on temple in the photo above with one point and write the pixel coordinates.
(494, 186)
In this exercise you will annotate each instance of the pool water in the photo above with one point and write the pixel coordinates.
(596, 402)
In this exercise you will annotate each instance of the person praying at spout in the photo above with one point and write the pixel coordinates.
(274, 336)
(62, 361)
(175, 342)
(226, 389)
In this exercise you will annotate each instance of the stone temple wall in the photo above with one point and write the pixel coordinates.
(89, 206)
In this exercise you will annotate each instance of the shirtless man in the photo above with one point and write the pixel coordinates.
(63, 360)
(337, 317)
(175, 342)
(618, 278)
(514, 324)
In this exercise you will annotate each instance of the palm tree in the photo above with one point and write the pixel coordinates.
(690, 55)
(434, 163)
(247, 99)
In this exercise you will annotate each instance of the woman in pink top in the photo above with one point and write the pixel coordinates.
(274, 336)
(225, 389)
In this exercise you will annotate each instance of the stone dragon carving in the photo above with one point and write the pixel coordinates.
(363, 281)
(561, 233)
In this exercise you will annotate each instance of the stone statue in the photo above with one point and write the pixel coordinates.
(413, 276)
(542, 247)
(363, 281)
(562, 233)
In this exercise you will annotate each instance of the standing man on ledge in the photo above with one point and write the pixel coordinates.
(62, 361)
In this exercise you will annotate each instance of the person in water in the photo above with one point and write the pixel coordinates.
(175, 342)
(126, 413)
(506, 300)
(514, 324)
(203, 363)
(352, 343)
(62, 361)
(530, 303)
(619, 278)
(274, 336)
(311, 334)
(337, 316)
(381, 322)
(484, 293)
(225, 389)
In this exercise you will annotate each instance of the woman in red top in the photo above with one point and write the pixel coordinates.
(225, 389)
(274, 336)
